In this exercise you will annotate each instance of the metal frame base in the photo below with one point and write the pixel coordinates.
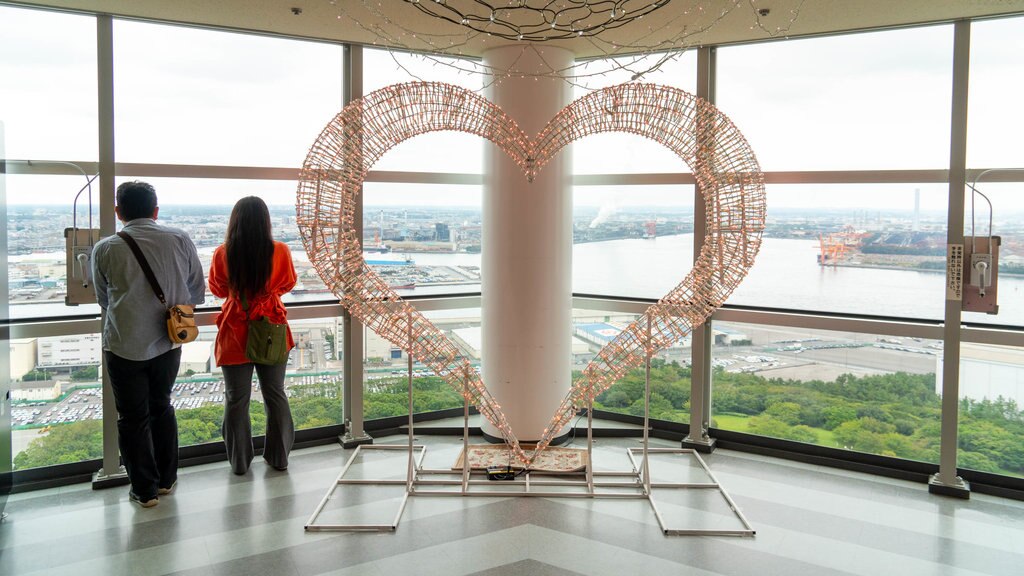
(704, 445)
(629, 484)
(959, 489)
(348, 441)
(635, 483)
(101, 480)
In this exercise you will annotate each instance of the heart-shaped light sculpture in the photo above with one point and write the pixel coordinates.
(725, 168)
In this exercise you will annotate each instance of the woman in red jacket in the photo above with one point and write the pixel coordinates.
(250, 262)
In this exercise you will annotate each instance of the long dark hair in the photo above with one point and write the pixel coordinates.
(249, 246)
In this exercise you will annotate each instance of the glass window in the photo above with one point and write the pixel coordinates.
(198, 393)
(861, 392)
(1008, 224)
(315, 373)
(386, 67)
(313, 383)
(631, 240)
(670, 369)
(852, 248)
(995, 121)
(424, 238)
(48, 92)
(202, 207)
(995, 117)
(386, 369)
(876, 100)
(191, 96)
(616, 153)
(612, 153)
(677, 69)
(56, 400)
(991, 428)
(456, 152)
(448, 151)
(38, 212)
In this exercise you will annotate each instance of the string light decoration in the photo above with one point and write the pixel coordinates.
(723, 164)
(641, 49)
(539, 20)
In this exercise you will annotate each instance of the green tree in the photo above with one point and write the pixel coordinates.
(1000, 445)
(905, 426)
(194, 431)
(616, 399)
(872, 436)
(36, 376)
(976, 461)
(659, 407)
(837, 414)
(775, 428)
(787, 412)
(874, 412)
(803, 433)
(87, 373)
(329, 339)
(998, 410)
(64, 444)
(316, 411)
(200, 425)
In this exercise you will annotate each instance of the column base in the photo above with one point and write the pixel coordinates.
(959, 488)
(704, 445)
(556, 441)
(102, 480)
(348, 441)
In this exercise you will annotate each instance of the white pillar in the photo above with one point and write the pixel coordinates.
(527, 252)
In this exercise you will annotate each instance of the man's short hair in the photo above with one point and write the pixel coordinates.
(136, 199)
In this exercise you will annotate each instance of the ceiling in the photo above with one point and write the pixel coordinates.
(683, 23)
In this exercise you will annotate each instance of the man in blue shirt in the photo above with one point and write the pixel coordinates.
(139, 357)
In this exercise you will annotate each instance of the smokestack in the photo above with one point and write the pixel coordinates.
(916, 225)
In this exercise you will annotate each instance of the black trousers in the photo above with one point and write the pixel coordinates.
(147, 431)
(237, 428)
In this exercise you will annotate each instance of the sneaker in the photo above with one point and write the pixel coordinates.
(149, 503)
(168, 490)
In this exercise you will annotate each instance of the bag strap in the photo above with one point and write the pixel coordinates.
(145, 265)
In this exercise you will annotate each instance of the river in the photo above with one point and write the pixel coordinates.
(785, 275)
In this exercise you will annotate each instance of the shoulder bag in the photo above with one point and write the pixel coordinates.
(267, 342)
(181, 321)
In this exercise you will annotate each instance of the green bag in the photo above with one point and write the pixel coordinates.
(267, 343)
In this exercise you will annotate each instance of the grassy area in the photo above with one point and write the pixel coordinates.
(734, 422)
(741, 423)
(825, 438)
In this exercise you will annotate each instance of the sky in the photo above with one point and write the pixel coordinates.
(870, 101)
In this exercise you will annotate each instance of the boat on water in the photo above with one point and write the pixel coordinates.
(391, 260)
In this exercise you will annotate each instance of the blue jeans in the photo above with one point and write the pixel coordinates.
(147, 431)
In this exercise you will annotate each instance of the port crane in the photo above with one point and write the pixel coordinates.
(837, 246)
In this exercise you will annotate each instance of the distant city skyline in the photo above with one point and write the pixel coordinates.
(61, 190)
(868, 101)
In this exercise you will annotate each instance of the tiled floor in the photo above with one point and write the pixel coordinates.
(809, 521)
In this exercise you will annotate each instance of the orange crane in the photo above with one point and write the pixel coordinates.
(832, 250)
(836, 246)
(651, 229)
